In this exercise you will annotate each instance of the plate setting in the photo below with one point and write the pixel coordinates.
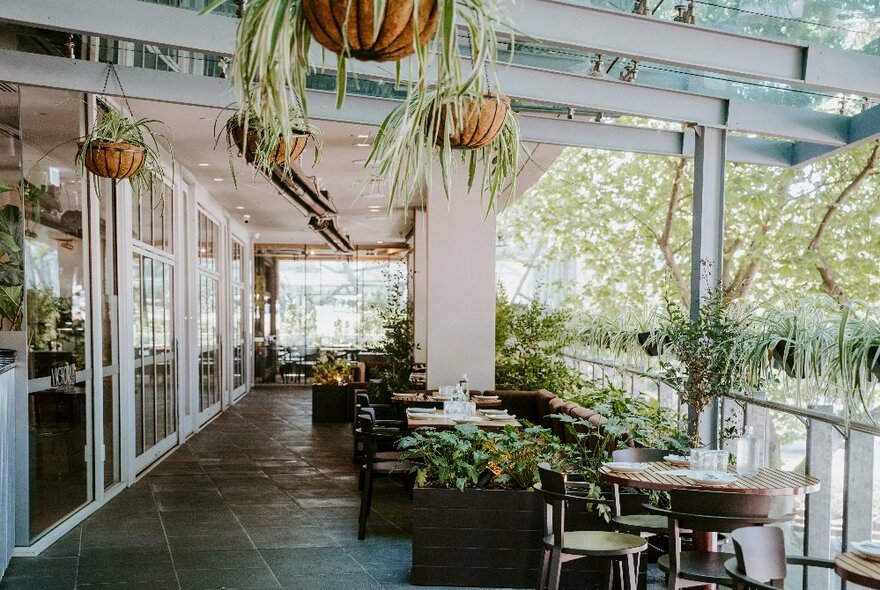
(625, 466)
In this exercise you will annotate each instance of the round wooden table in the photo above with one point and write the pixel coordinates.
(767, 482)
(858, 570)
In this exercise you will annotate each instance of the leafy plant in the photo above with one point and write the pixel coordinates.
(271, 60)
(448, 458)
(398, 340)
(647, 423)
(529, 343)
(417, 134)
(708, 351)
(266, 138)
(330, 370)
(114, 127)
(11, 263)
(516, 452)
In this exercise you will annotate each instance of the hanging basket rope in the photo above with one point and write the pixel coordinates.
(110, 159)
(348, 27)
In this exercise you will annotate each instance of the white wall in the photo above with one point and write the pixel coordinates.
(419, 272)
(460, 293)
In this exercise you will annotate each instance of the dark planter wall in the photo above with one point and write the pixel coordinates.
(492, 538)
(329, 403)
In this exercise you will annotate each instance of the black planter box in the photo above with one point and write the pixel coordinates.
(329, 403)
(493, 538)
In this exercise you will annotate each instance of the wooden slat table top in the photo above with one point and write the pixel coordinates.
(858, 570)
(423, 398)
(443, 422)
(767, 482)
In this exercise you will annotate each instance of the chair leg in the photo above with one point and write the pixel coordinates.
(545, 567)
(361, 472)
(366, 494)
(555, 569)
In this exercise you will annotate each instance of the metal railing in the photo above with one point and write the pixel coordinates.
(841, 453)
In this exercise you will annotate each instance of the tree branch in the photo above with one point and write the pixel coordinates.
(829, 283)
(663, 241)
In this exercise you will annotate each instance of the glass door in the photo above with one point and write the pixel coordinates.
(209, 338)
(154, 334)
(238, 315)
(57, 282)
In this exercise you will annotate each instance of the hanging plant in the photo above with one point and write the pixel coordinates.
(271, 59)
(264, 145)
(423, 129)
(119, 147)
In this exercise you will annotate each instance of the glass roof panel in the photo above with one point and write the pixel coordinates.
(842, 24)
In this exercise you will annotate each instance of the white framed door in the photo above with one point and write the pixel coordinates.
(208, 311)
(239, 361)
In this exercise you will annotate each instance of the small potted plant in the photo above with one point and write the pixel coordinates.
(263, 143)
(119, 147)
(329, 392)
(425, 129)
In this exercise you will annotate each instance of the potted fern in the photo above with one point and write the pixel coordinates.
(329, 392)
(432, 128)
(271, 58)
(121, 147)
(263, 143)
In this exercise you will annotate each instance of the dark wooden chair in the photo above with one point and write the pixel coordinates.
(637, 522)
(710, 511)
(376, 465)
(561, 546)
(760, 562)
(383, 426)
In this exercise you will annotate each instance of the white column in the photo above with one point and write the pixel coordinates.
(419, 282)
(460, 288)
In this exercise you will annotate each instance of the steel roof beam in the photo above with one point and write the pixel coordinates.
(86, 76)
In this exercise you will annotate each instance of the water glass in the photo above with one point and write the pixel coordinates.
(445, 390)
(701, 460)
(471, 409)
(720, 460)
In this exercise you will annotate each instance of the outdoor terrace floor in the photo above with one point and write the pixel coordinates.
(261, 498)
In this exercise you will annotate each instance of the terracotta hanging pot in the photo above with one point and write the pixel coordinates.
(483, 120)
(393, 41)
(113, 160)
(282, 153)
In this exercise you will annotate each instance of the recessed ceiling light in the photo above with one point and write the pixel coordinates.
(359, 162)
(203, 164)
(363, 136)
(379, 242)
(218, 180)
(240, 208)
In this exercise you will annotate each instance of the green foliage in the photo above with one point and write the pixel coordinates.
(118, 128)
(648, 423)
(11, 262)
(529, 343)
(448, 458)
(48, 316)
(515, 454)
(398, 340)
(330, 370)
(708, 352)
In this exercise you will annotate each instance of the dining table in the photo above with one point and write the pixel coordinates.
(423, 398)
(857, 569)
(440, 420)
(664, 476)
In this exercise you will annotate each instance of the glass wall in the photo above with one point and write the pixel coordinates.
(238, 316)
(57, 302)
(309, 304)
(209, 335)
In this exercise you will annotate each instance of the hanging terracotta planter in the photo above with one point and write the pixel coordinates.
(282, 153)
(112, 160)
(483, 121)
(393, 41)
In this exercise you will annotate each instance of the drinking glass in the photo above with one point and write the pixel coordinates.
(471, 409)
(720, 459)
(701, 460)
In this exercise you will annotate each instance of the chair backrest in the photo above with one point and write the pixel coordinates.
(637, 455)
(551, 481)
(362, 400)
(760, 553)
(721, 512)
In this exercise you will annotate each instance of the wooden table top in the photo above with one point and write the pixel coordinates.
(441, 421)
(767, 482)
(858, 570)
(423, 398)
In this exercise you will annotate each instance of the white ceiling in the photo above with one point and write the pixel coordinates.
(341, 171)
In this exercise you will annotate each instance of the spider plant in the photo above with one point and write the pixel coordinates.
(416, 134)
(798, 337)
(263, 141)
(855, 360)
(271, 58)
(115, 127)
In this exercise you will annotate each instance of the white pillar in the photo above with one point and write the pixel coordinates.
(419, 281)
(459, 294)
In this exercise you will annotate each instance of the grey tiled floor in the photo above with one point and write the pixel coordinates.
(259, 499)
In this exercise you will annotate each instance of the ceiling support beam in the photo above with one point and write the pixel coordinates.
(519, 82)
(559, 23)
(85, 76)
(863, 127)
